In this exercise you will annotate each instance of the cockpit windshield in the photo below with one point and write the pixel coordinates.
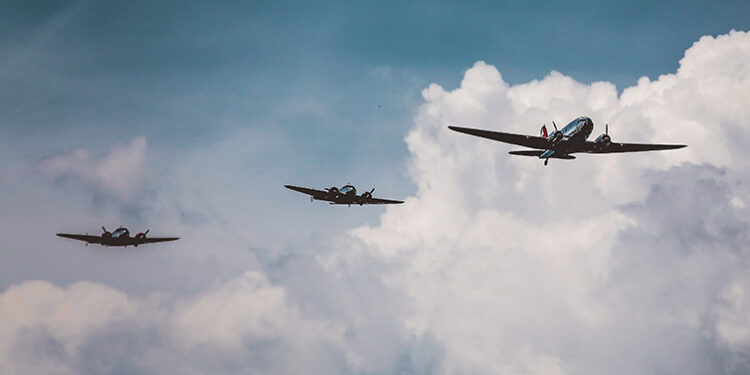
(572, 126)
(121, 232)
(348, 188)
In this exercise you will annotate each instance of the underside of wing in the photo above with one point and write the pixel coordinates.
(615, 147)
(316, 194)
(515, 139)
(158, 239)
(539, 153)
(382, 201)
(81, 237)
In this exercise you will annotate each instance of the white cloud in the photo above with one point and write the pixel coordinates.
(587, 266)
(246, 321)
(119, 174)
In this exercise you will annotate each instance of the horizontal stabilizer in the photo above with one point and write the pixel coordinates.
(539, 153)
(536, 153)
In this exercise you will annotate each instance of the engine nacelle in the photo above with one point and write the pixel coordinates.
(602, 142)
(140, 236)
(333, 192)
(366, 196)
(556, 137)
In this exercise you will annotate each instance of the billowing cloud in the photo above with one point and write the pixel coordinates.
(619, 264)
(89, 328)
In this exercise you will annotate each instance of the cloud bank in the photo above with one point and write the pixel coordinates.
(619, 264)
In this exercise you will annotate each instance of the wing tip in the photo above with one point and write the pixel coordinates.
(673, 147)
(293, 188)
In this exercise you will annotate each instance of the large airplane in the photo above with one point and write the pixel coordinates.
(347, 194)
(120, 237)
(560, 144)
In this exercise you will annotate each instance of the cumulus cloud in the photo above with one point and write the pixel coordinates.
(619, 264)
(623, 263)
(90, 328)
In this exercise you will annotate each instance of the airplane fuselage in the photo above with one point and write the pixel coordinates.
(570, 138)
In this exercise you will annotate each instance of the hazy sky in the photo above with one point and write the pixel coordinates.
(188, 119)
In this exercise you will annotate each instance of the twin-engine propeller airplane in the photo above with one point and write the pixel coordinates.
(120, 237)
(347, 194)
(560, 144)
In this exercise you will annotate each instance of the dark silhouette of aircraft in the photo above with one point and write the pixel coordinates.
(346, 195)
(560, 144)
(120, 237)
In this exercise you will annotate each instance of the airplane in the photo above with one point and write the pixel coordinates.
(560, 144)
(347, 194)
(120, 237)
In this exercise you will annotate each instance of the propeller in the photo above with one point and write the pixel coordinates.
(602, 142)
(366, 196)
(556, 136)
(104, 229)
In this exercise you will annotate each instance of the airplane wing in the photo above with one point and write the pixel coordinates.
(81, 237)
(516, 139)
(316, 194)
(615, 147)
(382, 201)
(157, 239)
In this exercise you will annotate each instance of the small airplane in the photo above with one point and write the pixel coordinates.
(120, 237)
(560, 144)
(347, 194)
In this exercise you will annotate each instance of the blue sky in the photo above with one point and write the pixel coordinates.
(183, 71)
(339, 82)
(188, 117)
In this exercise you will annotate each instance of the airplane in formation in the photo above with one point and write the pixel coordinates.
(560, 144)
(347, 194)
(120, 237)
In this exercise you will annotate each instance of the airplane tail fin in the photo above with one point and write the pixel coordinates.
(543, 131)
